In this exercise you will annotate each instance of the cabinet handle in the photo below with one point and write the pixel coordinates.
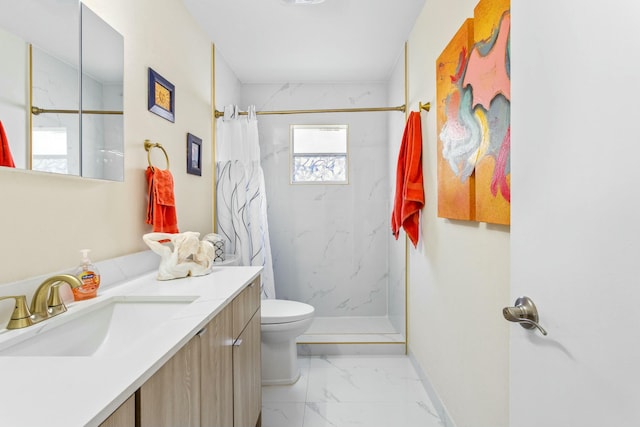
(238, 343)
(201, 331)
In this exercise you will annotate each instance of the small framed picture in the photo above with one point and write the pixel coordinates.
(162, 97)
(194, 155)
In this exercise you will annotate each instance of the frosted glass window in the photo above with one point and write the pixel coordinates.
(319, 154)
(49, 150)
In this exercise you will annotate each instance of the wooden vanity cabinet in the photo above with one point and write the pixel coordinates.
(247, 378)
(215, 379)
(247, 391)
(216, 364)
(171, 397)
(124, 416)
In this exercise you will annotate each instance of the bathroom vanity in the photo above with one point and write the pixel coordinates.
(197, 366)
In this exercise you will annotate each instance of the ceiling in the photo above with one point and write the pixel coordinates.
(268, 41)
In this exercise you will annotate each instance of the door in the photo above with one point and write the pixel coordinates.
(575, 235)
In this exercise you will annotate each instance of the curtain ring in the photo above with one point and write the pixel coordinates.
(148, 145)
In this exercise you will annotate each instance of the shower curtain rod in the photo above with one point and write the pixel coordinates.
(401, 108)
(37, 111)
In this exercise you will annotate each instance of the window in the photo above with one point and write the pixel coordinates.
(319, 154)
(49, 150)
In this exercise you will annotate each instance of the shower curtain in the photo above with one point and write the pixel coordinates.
(241, 199)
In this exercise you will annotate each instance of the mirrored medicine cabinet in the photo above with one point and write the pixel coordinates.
(61, 88)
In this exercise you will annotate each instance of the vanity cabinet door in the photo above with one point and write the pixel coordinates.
(247, 386)
(124, 416)
(171, 397)
(245, 306)
(247, 380)
(216, 397)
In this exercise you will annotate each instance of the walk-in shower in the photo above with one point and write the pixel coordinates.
(331, 242)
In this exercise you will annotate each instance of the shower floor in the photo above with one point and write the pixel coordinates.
(351, 335)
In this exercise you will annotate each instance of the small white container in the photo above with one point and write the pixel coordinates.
(218, 246)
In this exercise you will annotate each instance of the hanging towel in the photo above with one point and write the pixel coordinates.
(409, 199)
(6, 159)
(161, 210)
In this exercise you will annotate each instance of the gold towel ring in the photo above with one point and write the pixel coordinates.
(148, 145)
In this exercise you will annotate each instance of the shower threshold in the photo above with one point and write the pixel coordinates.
(351, 335)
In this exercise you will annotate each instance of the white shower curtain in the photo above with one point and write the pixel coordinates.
(241, 199)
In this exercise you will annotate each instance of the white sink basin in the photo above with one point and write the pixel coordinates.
(105, 329)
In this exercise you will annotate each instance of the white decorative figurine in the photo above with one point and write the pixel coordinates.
(189, 256)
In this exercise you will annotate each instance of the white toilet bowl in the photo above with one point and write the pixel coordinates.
(282, 322)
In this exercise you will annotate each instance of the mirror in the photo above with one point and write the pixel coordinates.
(102, 101)
(65, 64)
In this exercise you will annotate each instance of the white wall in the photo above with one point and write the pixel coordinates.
(227, 84)
(459, 279)
(48, 218)
(329, 242)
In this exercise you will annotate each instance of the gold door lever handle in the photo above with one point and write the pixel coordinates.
(525, 313)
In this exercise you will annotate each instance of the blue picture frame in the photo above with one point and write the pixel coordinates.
(162, 96)
(194, 155)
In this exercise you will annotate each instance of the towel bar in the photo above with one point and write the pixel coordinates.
(148, 145)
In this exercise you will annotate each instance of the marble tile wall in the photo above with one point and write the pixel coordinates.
(55, 86)
(397, 251)
(102, 134)
(329, 242)
(93, 127)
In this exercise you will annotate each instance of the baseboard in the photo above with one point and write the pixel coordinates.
(444, 415)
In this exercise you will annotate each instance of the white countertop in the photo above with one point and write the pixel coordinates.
(84, 391)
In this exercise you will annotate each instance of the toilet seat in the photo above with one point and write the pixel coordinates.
(275, 311)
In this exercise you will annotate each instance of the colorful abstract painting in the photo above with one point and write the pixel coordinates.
(474, 126)
(457, 135)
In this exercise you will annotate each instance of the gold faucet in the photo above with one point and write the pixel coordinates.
(21, 317)
(41, 301)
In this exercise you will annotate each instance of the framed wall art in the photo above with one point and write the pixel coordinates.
(194, 155)
(162, 97)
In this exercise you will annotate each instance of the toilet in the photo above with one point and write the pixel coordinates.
(282, 322)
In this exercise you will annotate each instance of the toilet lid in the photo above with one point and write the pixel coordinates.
(284, 311)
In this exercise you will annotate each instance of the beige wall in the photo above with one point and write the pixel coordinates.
(47, 218)
(459, 279)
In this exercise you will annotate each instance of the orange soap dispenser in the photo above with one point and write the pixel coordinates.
(88, 274)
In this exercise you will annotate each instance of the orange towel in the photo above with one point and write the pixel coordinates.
(161, 210)
(409, 199)
(6, 159)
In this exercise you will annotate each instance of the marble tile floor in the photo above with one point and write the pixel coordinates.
(350, 391)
